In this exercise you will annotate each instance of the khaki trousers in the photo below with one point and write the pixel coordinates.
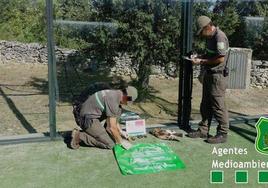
(213, 103)
(94, 134)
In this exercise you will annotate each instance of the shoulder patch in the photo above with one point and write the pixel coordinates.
(220, 45)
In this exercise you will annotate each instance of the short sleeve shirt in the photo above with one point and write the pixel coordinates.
(217, 45)
(106, 104)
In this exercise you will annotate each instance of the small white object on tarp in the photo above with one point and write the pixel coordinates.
(136, 127)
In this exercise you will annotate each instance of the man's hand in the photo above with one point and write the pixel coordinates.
(194, 56)
(197, 61)
(211, 61)
(124, 134)
(126, 144)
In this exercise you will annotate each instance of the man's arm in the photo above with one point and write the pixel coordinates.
(211, 61)
(113, 129)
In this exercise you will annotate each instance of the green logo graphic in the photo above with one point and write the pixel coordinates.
(261, 142)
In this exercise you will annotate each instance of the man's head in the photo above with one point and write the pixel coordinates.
(205, 26)
(130, 94)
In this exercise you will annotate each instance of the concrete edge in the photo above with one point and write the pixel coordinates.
(28, 138)
(44, 137)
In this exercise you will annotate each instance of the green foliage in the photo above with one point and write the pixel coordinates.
(76, 10)
(200, 8)
(228, 23)
(22, 21)
(230, 17)
(252, 8)
(262, 8)
(250, 35)
(101, 45)
(262, 42)
(138, 37)
(149, 32)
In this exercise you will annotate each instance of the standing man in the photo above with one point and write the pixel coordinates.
(102, 105)
(214, 82)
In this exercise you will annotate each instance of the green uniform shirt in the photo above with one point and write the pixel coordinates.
(217, 45)
(106, 104)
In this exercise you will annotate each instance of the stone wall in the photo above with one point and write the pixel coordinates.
(35, 53)
(259, 74)
(16, 52)
(22, 53)
(124, 66)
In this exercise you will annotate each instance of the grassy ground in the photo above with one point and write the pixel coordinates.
(24, 98)
(52, 164)
(24, 109)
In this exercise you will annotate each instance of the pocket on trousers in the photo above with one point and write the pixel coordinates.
(219, 85)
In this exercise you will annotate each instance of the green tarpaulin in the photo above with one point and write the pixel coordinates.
(147, 158)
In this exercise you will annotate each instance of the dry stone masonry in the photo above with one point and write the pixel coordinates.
(16, 52)
(259, 74)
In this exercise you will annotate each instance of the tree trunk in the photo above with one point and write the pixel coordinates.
(143, 80)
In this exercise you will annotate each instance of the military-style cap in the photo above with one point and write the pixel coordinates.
(132, 93)
(202, 22)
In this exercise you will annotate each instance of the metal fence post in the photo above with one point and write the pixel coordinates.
(186, 69)
(51, 69)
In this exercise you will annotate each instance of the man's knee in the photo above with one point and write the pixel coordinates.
(107, 140)
(100, 134)
(105, 144)
(110, 145)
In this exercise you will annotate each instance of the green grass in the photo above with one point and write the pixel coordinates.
(24, 106)
(52, 164)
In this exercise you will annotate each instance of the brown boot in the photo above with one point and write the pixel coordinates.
(197, 134)
(75, 139)
(218, 138)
